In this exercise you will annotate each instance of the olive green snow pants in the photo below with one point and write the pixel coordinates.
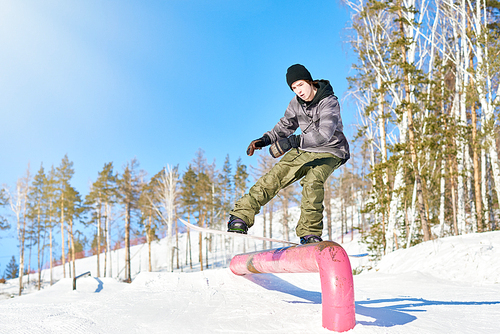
(312, 168)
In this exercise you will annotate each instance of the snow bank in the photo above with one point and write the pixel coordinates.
(468, 258)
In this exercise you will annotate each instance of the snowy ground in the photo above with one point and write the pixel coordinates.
(449, 285)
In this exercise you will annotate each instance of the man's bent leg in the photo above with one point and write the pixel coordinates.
(313, 193)
(284, 173)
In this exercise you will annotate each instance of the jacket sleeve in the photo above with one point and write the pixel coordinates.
(286, 125)
(324, 124)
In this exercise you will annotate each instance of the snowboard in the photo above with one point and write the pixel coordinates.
(247, 236)
(233, 234)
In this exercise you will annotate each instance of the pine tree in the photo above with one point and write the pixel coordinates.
(226, 185)
(265, 163)
(37, 213)
(74, 211)
(240, 179)
(129, 186)
(409, 80)
(150, 219)
(202, 191)
(64, 173)
(224, 196)
(51, 212)
(4, 199)
(188, 200)
(101, 198)
(12, 269)
(214, 202)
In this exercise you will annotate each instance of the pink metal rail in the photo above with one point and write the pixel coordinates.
(328, 258)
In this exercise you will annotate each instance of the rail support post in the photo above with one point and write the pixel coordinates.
(79, 276)
(328, 258)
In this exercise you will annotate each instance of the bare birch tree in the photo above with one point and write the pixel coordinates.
(167, 192)
(18, 205)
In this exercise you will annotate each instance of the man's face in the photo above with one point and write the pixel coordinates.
(303, 90)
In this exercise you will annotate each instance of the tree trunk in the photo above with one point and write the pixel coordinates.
(108, 239)
(490, 198)
(264, 231)
(412, 216)
(69, 252)
(105, 269)
(453, 198)
(99, 241)
(286, 228)
(442, 192)
(148, 237)
(63, 260)
(271, 209)
(483, 189)
(39, 249)
(23, 238)
(177, 243)
(477, 177)
(71, 236)
(411, 137)
(200, 258)
(200, 241)
(128, 270)
(51, 259)
(21, 257)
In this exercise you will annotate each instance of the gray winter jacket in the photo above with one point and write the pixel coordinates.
(319, 121)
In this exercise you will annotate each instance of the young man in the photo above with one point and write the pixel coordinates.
(310, 157)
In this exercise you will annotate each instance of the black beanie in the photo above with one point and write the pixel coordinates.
(297, 72)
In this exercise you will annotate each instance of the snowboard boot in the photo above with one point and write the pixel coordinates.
(310, 239)
(237, 225)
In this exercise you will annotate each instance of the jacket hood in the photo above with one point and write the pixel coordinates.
(324, 90)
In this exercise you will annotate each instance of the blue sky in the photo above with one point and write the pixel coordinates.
(107, 81)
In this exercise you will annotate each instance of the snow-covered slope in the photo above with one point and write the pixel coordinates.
(473, 258)
(443, 286)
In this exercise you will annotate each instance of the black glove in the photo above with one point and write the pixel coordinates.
(284, 145)
(258, 144)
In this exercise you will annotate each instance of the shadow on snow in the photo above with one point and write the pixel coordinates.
(395, 312)
(99, 286)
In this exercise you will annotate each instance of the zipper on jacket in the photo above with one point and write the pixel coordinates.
(304, 108)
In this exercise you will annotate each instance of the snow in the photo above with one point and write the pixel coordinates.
(474, 256)
(449, 285)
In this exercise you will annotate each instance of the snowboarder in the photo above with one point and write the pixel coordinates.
(311, 156)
